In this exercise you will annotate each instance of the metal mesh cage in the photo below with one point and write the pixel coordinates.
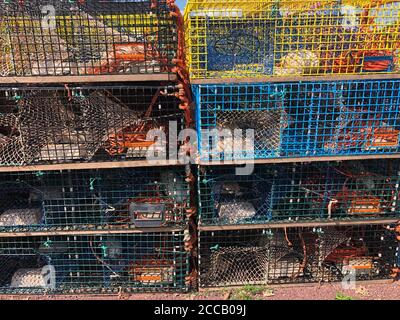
(258, 38)
(80, 124)
(277, 193)
(296, 255)
(94, 263)
(298, 119)
(53, 38)
(94, 199)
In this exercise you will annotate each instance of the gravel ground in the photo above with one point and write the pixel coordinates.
(381, 291)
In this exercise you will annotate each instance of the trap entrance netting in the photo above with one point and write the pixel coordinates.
(58, 125)
(50, 38)
(238, 122)
(267, 126)
(350, 190)
(295, 255)
(94, 264)
(92, 199)
(298, 119)
(235, 266)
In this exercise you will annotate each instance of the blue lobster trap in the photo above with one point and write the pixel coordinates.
(282, 120)
(94, 263)
(94, 199)
(279, 193)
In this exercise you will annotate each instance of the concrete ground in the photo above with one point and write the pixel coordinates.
(377, 291)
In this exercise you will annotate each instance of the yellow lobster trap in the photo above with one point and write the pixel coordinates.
(291, 37)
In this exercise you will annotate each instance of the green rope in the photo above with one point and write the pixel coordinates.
(39, 174)
(104, 250)
(48, 243)
(215, 248)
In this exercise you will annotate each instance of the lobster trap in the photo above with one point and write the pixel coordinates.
(94, 264)
(296, 255)
(258, 38)
(279, 193)
(45, 125)
(91, 37)
(298, 119)
(94, 199)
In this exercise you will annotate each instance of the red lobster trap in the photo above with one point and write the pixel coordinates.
(90, 37)
(75, 124)
(296, 255)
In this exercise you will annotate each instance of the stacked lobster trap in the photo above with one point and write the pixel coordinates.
(261, 38)
(93, 263)
(81, 208)
(318, 118)
(58, 124)
(308, 91)
(94, 199)
(297, 255)
(50, 37)
(351, 190)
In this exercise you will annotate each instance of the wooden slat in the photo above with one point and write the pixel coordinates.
(166, 163)
(301, 224)
(301, 159)
(330, 77)
(88, 79)
(91, 165)
(87, 232)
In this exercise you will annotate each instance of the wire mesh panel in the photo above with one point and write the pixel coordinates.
(230, 38)
(80, 124)
(53, 38)
(296, 255)
(291, 37)
(299, 192)
(298, 119)
(94, 199)
(93, 263)
(351, 36)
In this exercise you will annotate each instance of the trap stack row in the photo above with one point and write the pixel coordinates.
(82, 86)
(319, 83)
